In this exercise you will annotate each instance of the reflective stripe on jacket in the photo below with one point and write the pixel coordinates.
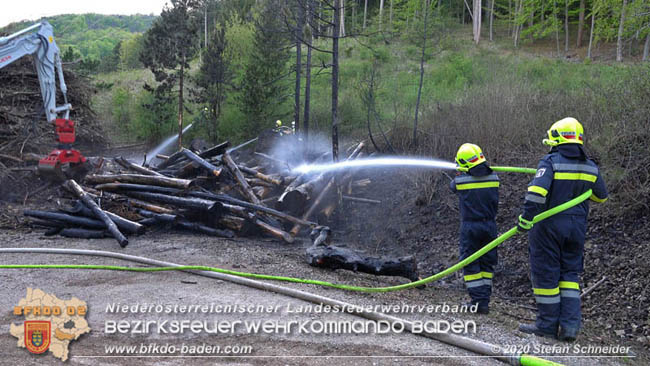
(478, 196)
(560, 178)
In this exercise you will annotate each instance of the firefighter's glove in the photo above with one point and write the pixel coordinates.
(524, 225)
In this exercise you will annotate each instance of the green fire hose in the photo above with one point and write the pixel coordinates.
(508, 234)
(523, 359)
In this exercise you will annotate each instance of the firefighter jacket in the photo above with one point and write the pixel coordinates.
(564, 174)
(478, 193)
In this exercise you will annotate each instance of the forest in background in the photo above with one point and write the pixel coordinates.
(411, 76)
(96, 42)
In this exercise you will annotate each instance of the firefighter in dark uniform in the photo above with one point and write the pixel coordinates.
(556, 244)
(478, 195)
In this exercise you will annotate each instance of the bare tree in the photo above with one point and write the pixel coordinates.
(557, 31)
(581, 23)
(491, 17)
(381, 13)
(476, 20)
(423, 54)
(300, 14)
(365, 13)
(591, 31)
(309, 39)
(566, 26)
(335, 82)
(621, 27)
(517, 30)
(646, 48)
(390, 17)
(342, 19)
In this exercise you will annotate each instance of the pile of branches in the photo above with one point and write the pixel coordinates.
(24, 126)
(202, 191)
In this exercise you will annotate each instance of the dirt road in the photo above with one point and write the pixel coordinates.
(103, 289)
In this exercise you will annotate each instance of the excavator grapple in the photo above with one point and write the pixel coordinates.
(64, 162)
(38, 41)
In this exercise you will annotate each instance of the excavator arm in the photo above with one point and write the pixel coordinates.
(46, 55)
(38, 41)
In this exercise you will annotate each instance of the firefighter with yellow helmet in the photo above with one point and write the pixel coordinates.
(478, 195)
(556, 244)
(284, 130)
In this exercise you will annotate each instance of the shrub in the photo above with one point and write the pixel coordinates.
(122, 108)
(153, 118)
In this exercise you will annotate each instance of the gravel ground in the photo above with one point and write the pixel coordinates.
(101, 288)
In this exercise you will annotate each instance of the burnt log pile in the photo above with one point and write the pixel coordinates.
(214, 192)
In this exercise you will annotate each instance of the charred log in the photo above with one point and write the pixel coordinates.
(64, 219)
(193, 226)
(342, 258)
(128, 226)
(73, 187)
(140, 179)
(239, 177)
(216, 171)
(140, 169)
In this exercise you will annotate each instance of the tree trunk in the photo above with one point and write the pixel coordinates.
(531, 23)
(140, 179)
(476, 21)
(305, 118)
(581, 23)
(557, 31)
(297, 38)
(462, 18)
(424, 47)
(333, 257)
(491, 18)
(646, 48)
(621, 27)
(180, 103)
(320, 16)
(566, 26)
(390, 17)
(123, 224)
(518, 9)
(239, 177)
(75, 188)
(591, 33)
(365, 13)
(511, 26)
(381, 13)
(342, 20)
(354, 16)
(335, 85)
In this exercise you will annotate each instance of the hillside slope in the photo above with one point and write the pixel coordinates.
(92, 35)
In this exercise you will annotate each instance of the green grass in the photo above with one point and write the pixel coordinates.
(454, 69)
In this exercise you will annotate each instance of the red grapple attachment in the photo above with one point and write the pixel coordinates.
(61, 164)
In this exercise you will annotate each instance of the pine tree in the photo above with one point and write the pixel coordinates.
(264, 88)
(168, 47)
(213, 78)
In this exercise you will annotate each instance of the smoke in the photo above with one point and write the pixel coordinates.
(296, 150)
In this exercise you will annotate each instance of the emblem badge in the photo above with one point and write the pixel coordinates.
(37, 335)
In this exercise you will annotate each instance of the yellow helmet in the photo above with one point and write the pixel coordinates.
(278, 123)
(565, 131)
(469, 156)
